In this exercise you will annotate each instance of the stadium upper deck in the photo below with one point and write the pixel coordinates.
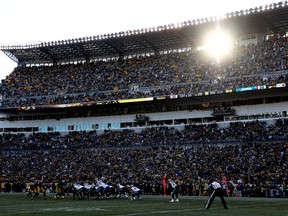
(146, 66)
(186, 74)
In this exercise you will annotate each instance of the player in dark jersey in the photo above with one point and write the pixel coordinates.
(60, 190)
(216, 189)
(38, 188)
(31, 190)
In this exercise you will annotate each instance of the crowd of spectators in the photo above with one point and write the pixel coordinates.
(185, 73)
(254, 131)
(117, 156)
(258, 166)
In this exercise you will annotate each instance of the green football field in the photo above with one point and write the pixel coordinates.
(17, 204)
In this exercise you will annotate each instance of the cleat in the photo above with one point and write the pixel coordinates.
(172, 200)
(177, 200)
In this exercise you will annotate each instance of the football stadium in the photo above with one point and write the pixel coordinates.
(150, 121)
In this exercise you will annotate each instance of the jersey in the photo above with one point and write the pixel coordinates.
(215, 185)
(173, 184)
(135, 189)
(102, 184)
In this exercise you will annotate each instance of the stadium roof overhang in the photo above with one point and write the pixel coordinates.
(269, 19)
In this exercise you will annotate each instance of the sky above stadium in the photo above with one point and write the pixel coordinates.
(27, 21)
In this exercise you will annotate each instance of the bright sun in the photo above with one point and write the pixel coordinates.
(218, 44)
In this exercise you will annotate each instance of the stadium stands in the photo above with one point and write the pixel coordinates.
(237, 128)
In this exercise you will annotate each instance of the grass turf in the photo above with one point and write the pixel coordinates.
(17, 204)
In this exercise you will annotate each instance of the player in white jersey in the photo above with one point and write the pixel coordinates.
(98, 192)
(216, 189)
(174, 190)
(78, 191)
(135, 192)
(89, 190)
(121, 189)
(107, 191)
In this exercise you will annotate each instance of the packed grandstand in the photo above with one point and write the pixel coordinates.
(132, 107)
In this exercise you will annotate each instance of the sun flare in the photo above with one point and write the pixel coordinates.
(218, 44)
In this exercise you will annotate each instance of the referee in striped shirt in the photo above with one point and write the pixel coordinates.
(216, 189)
